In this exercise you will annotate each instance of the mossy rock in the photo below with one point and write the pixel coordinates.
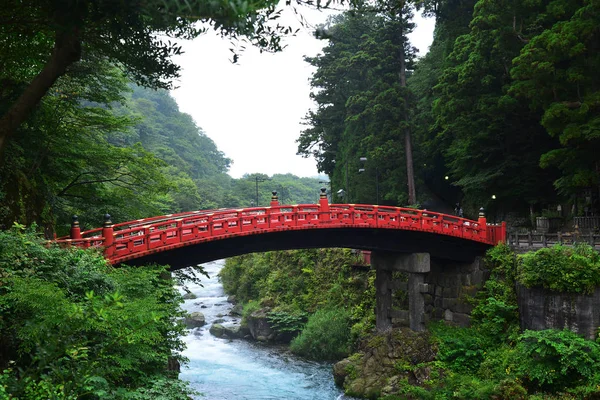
(217, 330)
(384, 362)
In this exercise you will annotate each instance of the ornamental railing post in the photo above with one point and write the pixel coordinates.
(324, 205)
(482, 221)
(75, 228)
(108, 236)
(274, 199)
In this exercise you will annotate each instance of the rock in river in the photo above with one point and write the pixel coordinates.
(195, 320)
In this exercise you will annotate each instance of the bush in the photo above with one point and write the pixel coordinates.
(552, 360)
(75, 327)
(325, 337)
(561, 269)
(462, 349)
(495, 319)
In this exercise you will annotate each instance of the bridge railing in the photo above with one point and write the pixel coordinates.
(174, 230)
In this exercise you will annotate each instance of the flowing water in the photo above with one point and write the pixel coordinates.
(223, 369)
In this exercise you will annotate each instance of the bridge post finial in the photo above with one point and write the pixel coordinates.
(75, 228)
(274, 199)
(108, 236)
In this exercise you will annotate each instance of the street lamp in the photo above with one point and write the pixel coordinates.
(361, 170)
(335, 153)
(259, 179)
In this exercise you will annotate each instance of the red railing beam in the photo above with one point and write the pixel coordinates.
(137, 238)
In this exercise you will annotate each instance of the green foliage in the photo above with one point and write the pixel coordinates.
(73, 326)
(285, 322)
(66, 164)
(249, 308)
(459, 386)
(495, 314)
(492, 360)
(462, 349)
(326, 335)
(553, 360)
(561, 269)
(555, 72)
(303, 281)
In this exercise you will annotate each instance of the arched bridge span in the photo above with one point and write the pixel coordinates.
(192, 238)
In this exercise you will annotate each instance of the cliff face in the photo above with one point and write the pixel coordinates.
(541, 308)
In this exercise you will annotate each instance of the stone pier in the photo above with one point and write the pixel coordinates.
(436, 289)
(416, 265)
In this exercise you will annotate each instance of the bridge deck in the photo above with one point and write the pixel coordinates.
(134, 239)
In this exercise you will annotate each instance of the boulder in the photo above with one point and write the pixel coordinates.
(217, 330)
(195, 320)
(189, 296)
(232, 299)
(236, 331)
(259, 325)
(237, 310)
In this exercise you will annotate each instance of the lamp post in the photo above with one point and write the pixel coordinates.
(259, 179)
(346, 190)
(361, 170)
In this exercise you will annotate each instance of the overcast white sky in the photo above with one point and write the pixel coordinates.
(253, 110)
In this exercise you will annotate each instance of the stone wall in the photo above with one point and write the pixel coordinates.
(540, 308)
(450, 285)
(446, 289)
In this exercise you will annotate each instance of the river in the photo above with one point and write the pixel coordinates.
(223, 369)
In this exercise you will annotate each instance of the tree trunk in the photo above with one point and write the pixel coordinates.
(410, 173)
(67, 50)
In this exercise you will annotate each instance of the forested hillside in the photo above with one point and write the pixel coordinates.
(503, 112)
(127, 151)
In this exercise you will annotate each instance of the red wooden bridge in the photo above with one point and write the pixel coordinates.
(200, 236)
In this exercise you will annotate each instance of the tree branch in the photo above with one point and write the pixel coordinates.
(67, 50)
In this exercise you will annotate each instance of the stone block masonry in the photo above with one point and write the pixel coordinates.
(451, 285)
(437, 290)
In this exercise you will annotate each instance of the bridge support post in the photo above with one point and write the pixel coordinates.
(416, 265)
(107, 234)
(383, 293)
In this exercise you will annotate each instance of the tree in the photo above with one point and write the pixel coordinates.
(47, 37)
(556, 71)
(65, 163)
(492, 141)
(363, 105)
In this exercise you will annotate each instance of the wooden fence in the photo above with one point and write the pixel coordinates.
(538, 240)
